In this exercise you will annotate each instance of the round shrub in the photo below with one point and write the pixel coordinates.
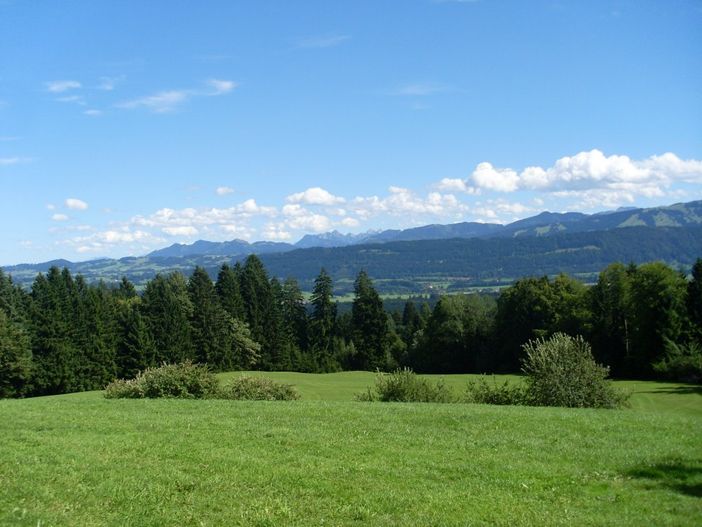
(183, 381)
(561, 371)
(258, 389)
(403, 385)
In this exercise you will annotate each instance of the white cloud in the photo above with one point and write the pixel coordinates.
(74, 99)
(588, 171)
(59, 217)
(322, 41)
(276, 233)
(76, 204)
(50, 206)
(315, 196)
(62, 86)
(220, 87)
(169, 100)
(162, 102)
(185, 230)
(93, 113)
(402, 202)
(223, 191)
(501, 179)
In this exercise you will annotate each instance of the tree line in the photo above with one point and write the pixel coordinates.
(66, 335)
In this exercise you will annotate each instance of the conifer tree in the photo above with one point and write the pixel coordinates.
(135, 347)
(322, 320)
(370, 325)
(15, 358)
(228, 291)
(167, 309)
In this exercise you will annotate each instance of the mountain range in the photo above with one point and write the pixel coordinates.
(544, 224)
(458, 256)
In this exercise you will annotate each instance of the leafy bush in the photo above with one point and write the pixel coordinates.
(482, 392)
(682, 362)
(562, 372)
(403, 385)
(184, 381)
(258, 389)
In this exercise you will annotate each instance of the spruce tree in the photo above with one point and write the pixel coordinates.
(370, 325)
(227, 288)
(167, 309)
(15, 358)
(322, 320)
(135, 346)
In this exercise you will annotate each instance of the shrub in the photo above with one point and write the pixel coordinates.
(258, 389)
(482, 392)
(184, 381)
(403, 385)
(562, 372)
(682, 362)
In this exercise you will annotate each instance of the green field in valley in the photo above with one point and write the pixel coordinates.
(80, 459)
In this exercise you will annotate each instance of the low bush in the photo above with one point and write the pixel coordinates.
(682, 362)
(258, 389)
(183, 381)
(403, 385)
(561, 371)
(483, 392)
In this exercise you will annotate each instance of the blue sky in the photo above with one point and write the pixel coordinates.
(128, 126)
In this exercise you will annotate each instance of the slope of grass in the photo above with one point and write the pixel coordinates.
(84, 460)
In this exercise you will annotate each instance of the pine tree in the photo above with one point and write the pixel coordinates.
(211, 324)
(15, 358)
(322, 321)
(135, 347)
(370, 325)
(228, 291)
(694, 302)
(167, 309)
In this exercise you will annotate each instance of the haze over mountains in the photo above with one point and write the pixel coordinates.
(455, 256)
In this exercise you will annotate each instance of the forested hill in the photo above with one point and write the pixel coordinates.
(419, 266)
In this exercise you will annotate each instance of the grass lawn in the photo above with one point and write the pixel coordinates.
(325, 460)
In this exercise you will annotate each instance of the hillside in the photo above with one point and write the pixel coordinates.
(426, 265)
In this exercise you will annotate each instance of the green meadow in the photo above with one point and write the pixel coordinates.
(82, 460)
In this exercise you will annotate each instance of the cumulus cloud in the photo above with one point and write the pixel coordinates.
(184, 230)
(592, 170)
(402, 201)
(59, 217)
(223, 191)
(76, 204)
(315, 196)
(62, 86)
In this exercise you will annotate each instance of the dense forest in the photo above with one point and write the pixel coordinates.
(66, 335)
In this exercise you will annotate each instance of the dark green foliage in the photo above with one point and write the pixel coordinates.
(658, 313)
(611, 321)
(257, 389)
(228, 291)
(369, 326)
(15, 358)
(135, 346)
(405, 386)
(322, 325)
(457, 336)
(167, 310)
(562, 372)
(506, 393)
(681, 362)
(184, 381)
(694, 302)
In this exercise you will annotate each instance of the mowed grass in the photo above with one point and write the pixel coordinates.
(326, 460)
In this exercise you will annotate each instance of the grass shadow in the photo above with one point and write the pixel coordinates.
(678, 390)
(682, 477)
